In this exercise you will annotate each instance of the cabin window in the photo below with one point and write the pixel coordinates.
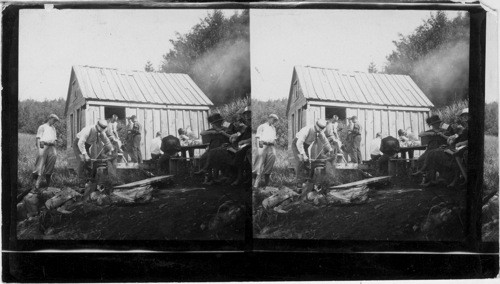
(78, 120)
(338, 111)
(119, 111)
(72, 129)
(299, 119)
(293, 124)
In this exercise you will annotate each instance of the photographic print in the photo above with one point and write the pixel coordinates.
(362, 120)
(133, 124)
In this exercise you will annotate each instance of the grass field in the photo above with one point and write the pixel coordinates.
(26, 160)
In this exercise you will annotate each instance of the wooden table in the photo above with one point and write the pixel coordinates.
(191, 148)
(410, 150)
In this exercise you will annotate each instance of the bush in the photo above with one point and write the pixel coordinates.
(33, 113)
(229, 110)
(450, 114)
(261, 111)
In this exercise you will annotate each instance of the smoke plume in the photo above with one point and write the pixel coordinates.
(443, 75)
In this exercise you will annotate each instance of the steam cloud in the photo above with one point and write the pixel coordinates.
(443, 75)
(225, 70)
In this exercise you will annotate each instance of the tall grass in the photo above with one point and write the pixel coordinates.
(491, 178)
(27, 153)
(449, 114)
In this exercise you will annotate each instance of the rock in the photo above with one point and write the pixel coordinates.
(61, 197)
(278, 197)
(31, 204)
(49, 192)
(356, 195)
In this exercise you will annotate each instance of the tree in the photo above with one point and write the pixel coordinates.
(372, 68)
(436, 56)
(149, 67)
(216, 54)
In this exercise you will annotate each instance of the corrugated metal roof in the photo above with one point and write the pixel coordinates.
(358, 87)
(139, 86)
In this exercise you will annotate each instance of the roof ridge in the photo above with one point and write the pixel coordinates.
(126, 70)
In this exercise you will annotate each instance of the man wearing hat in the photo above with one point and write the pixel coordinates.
(355, 139)
(303, 140)
(46, 138)
(331, 133)
(88, 137)
(265, 138)
(134, 133)
(242, 158)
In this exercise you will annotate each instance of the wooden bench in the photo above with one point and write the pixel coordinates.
(398, 165)
(182, 165)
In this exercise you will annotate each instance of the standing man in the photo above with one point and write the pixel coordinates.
(244, 139)
(301, 143)
(46, 138)
(113, 130)
(266, 153)
(331, 133)
(356, 140)
(135, 130)
(155, 147)
(86, 138)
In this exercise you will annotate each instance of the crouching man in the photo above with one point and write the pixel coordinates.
(87, 138)
(46, 138)
(300, 145)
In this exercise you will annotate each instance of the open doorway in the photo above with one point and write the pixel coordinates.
(338, 111)
(119, 111)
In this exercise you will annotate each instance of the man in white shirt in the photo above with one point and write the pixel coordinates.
(46, 138)
(265, 138)
(88, 137)
(156, 152)
(375, 153)
(331, 133)
(303, 139)
(113, 132)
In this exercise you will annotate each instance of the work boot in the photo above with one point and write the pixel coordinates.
(48, 178)
(267, 178)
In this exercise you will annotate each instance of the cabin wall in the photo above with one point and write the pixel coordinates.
(166, 121)
(376, 119)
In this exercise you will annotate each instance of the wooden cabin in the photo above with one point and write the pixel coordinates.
(162, 102)
(382, 102)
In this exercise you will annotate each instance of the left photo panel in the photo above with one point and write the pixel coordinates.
(133, 125)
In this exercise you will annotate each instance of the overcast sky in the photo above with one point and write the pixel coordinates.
(341, 39)
(51, 42)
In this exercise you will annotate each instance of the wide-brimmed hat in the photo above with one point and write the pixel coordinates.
(464, 111)
(246, 110)
(216, 117)
(321, 123)
(433, 119)
(54, 117)
(102, 123)
(272, 115)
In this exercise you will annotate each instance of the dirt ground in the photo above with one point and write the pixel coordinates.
(181, 211)
(392, 212)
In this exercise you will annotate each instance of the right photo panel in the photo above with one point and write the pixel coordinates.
(361, 121)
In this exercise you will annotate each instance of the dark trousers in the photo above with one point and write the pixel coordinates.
(356, 150)
(383, 163)
(136, 155)
(81, 163)
(300, 167)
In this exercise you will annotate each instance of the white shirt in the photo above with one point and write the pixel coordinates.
(114, 128)
(47, 133)
(90, 135)
(155, 146)
(266, 133)
(375, 147)
(308, 135)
